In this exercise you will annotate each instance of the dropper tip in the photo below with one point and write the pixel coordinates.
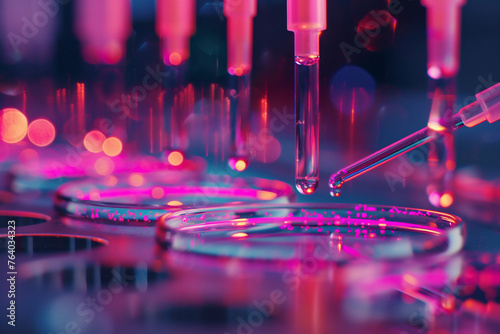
(335, 184)
(336, 181)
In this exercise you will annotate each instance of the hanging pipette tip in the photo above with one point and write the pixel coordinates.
(103, 41)
(443, 37)
(306, 19)
(175, 24)
(335, 183)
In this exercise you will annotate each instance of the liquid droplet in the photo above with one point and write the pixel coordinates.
(306, 186)
(336, 192)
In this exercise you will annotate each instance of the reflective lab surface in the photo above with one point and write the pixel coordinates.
(73, 275)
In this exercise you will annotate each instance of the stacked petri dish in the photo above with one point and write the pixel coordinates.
(139, 199)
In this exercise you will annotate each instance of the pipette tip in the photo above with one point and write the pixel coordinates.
(336, 181)
(440, 200)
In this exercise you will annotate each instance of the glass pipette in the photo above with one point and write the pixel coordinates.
(487, 107)
(306, 18)
(239, 16)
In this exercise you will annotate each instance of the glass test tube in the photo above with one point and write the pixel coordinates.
(306, 19)
(306, 124)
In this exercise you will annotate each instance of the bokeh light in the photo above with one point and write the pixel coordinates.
(446, 200)
(377, 30)
(93, 141)
(434, 198)
(157, 193)
(352, 89)
(112, 146)
(238, 71)
(175, 58)
(174, 203)
(13, 124)
(271, 150)
(29, 156)
(175, 158)
(240, 165)
(265, 195)
(104, 166)
(434, 72)
(239, 235)
(136, 180)
(440, 200)
(95, 196)
(41, 132)
(111, 181)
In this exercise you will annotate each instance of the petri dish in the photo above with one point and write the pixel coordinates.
(47, 174)
(136, 200)
(330, 232)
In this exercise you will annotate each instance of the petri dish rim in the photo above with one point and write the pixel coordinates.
(43, 238)
(252, 188)
(169, 228)
(23, 218)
